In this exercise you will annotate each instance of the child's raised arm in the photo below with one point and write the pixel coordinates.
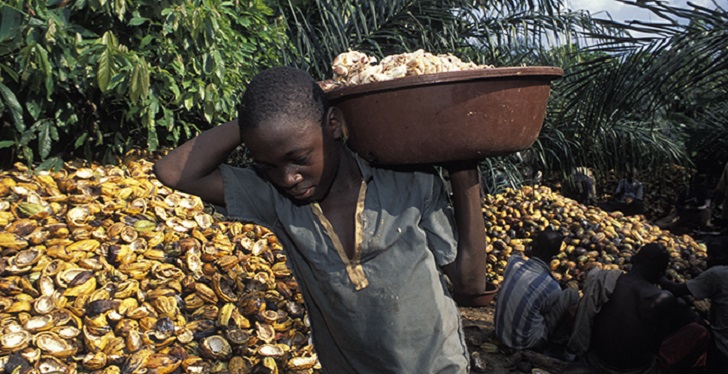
(468, 271)
(193, 166)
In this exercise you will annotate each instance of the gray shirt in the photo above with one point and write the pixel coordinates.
(713, 284)
(386, 310)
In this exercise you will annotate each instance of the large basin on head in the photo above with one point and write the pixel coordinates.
(434, 118)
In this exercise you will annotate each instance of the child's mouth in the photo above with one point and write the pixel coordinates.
(301, 194)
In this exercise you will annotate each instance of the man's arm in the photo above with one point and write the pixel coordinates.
(193, 166)
(677, 289)
(664, 305)
(640, 195)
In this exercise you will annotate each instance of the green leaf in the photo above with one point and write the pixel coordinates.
(189, 102)
(167, 119)
(209, 63)
(15, 109)
(136, 21)
(219, 65)
(209, 105)
(6, 144)
(43, 62)
(34, 108)
(116, 80)
(44, 139)
(153, 108)
(152, 139)
(149, 121)
(145, 41)
(80, 140)
(29, 134)
(144, 77)
(120, 8)
(10, 72)
(109, 39)
(27, 153)
(135, 89)
(10, 22)
(54, 132)
(53, 163)
(171, 85)
(175, 134)
(201, 89)
(51, 32)
(139, 81)
(52, 3)
(105, 70)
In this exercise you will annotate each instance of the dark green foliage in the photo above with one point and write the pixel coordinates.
(95, 78)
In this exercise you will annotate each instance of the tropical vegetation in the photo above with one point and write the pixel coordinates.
(95, 78)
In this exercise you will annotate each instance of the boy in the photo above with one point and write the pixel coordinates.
(365, 244)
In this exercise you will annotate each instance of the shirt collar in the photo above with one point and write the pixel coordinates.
(541, 263)
(366, 170)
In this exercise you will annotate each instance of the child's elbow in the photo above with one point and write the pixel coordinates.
(164, 176)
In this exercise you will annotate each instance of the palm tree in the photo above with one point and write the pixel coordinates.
(624, 100)
(653, 99)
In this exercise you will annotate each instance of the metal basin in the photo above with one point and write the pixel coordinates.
(433, 118)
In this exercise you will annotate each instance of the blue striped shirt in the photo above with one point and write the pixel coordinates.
(522, 302)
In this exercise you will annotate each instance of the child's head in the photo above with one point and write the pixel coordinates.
(281, 92)
(291, 133)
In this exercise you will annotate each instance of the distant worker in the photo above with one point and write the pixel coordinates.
(693, 204)
(580, 185)
(630, 195)
(692, 210)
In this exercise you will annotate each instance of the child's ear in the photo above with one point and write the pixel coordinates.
(335, 123)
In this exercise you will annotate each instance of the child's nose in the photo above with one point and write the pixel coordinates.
(291, 177)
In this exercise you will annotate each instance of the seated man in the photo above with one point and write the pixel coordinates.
(531, 305)
(641, 324)
(693, 204)
(580, 185)
(711, 284)
(692, 209)
(630, 195)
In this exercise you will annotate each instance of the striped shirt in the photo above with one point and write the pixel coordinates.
(522, 302)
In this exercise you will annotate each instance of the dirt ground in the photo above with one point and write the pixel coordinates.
(488, 357)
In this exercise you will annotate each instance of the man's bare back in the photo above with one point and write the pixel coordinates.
(628, 330)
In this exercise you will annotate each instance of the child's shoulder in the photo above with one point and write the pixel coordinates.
(408, 178)
(426, 172)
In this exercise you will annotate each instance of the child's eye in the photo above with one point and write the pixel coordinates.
(300, 160)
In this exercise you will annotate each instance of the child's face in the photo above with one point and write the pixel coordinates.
(298, 157)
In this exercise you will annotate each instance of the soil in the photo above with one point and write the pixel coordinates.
(488, 356)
